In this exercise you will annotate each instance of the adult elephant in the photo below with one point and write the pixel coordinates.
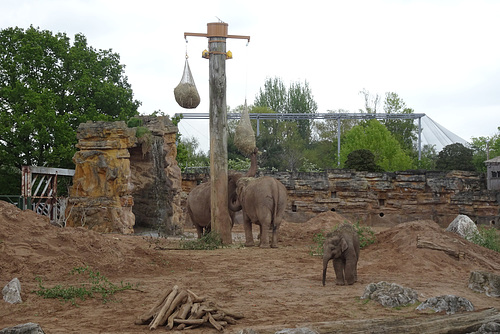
(198, 202)
(342, 246)
(263, 202)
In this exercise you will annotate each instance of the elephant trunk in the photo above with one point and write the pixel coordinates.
(234, 203)
(325, 266)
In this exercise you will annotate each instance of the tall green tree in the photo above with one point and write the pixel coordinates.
(484, 147)
(404, 130)
(455, 157)
(374, 136)
(281, 142)
(49, 86)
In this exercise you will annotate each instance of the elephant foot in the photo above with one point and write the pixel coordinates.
(249, 244)
(340, 283)
(264, 245)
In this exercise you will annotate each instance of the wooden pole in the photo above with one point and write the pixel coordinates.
(220, 220)
(217, 35)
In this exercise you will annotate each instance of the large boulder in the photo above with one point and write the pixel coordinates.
(485, 282)
(390, 294)
(12, 292)
(28, 328)
(447, 303)
(463, 226)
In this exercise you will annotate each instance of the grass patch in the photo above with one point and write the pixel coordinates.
(97, 284)
(209, 241)
(365, 233)
(486, 237)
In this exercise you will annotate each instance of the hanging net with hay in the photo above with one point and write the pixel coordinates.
(244, 136)
(186, 93)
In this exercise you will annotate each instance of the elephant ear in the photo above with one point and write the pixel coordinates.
(343, 245)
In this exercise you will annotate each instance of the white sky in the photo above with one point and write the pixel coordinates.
(441, 57)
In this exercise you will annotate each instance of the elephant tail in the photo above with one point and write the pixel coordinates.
(276, 203)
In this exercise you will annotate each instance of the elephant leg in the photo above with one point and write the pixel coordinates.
(199, 231)
(274, 243)
(247, 226)
(350, 272)
(338, 266)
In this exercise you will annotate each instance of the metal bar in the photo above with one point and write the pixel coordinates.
(295, 116)
(51, 171)
(338, 142)
(419, 139)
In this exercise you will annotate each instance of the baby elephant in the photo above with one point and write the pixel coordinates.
(342, 246)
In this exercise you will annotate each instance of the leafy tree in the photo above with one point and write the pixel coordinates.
(455, 157)
(374, 136)
(484, 147)
(362, 160)
(428, 157)
(47, 88)
(404, 130)
(281, 142)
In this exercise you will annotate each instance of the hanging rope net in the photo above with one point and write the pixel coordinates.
(186, 93)
(244, 137)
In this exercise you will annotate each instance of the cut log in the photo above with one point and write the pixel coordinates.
(185, 308)
(179, 299)
(431, 245)
(170, 321)
(421, 324)
(196, 299)
(190, 321)
(214, 323)
(146, 318)
(158, 317)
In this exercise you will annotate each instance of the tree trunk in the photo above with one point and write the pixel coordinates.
(420, 324)
(220, 219)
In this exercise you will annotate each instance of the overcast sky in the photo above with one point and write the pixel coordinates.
(441, 57)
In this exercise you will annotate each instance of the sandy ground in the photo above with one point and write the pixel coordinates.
(271, 287)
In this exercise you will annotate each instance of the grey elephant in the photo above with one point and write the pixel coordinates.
(342, 246)
(198, 207)
(263, 202)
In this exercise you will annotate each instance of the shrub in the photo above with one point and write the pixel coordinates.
(209, 241)
(487, 237)
(97, 284)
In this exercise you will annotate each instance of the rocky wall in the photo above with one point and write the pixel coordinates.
(100, 197)
(387, 199)
(125, 180)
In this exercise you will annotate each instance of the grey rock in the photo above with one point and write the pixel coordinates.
(12, 292)
(390, 294)
(463, 226)
(488, 328)
(449, 303)
(485, 282)
(28, 328)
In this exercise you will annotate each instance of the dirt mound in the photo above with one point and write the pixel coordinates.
(305, 232)
(279, 287)
(30, 246)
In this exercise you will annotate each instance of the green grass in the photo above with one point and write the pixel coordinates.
(209, 241)
(97, 285)
(486, 237)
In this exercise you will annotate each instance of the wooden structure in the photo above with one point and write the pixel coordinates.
(217, 35)
(493, 173)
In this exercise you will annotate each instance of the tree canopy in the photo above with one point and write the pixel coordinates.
(455, 157)
(374, 136)
(48, 86)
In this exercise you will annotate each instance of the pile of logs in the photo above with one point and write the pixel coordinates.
(183, 309)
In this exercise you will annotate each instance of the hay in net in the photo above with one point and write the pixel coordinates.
(186, 93)
(244, 136)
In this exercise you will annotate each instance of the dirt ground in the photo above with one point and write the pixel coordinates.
(271, 287)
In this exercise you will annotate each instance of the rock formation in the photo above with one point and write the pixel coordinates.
(121, 180)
